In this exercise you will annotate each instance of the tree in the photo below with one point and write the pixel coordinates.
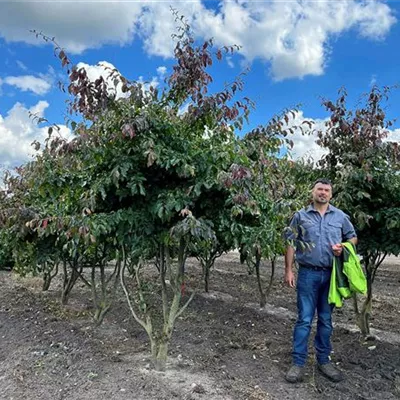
(134, 180)
(365, 168)
(262, 195)
(22, 249)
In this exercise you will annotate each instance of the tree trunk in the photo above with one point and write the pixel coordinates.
(145, 322)
(171, 313)
(356, 310)
(207, 278)
(100, 313)
(271, 280)
(69, 282)
(153, 345)
(106, 301)
(160, 363)
(206, 264)
(100, 304)
(46, 281)
(165, 339)
(175, 272)
(355, 305)
(48, 277)
(263, 297)
(363, 318)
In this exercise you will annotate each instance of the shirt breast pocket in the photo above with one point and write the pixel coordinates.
(335, 232)
(309, 230)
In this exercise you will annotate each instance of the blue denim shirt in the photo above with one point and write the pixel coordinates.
(314, 235)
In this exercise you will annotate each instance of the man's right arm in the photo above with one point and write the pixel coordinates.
(289, 260)
(292, 234)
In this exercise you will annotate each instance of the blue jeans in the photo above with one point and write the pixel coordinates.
(312, 294)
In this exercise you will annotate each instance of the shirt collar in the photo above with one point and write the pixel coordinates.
(311, 208)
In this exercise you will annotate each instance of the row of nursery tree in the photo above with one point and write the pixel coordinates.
(143, 185)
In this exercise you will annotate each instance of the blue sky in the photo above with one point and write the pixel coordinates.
(298, 52)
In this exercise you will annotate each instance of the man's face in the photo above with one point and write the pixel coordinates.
(322, 193)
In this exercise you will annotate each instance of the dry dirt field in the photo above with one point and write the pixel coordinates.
(224, 346)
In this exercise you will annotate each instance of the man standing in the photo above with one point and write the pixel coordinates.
(317, 233)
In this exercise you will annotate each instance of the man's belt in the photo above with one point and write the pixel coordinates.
(315, 268)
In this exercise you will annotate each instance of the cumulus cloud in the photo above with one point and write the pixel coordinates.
(78, 25)
(105, 69)
(394, 136)
(28, 83)
(293, 37)
(156, 25)
(305, 145)
(18, 131)
(161, 71)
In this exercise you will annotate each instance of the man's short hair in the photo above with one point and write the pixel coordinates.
(324, 181)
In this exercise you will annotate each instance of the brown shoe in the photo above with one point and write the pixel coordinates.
(295, 374)
(330, 372)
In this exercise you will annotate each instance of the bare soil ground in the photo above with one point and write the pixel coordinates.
(224, 346)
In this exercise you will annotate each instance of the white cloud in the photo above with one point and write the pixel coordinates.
(18, 131)
(230, 63)
(305, 146)
(184, 109)
(394, 136)
(157, 24)
(161, 71)
(293, 36)
(104, 68)
(22, 65)
(77, 25)
(30, 83)
(147, 84)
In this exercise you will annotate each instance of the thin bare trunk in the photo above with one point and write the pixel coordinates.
(355, 305)
(78, 272)
(69, 280)
(364, 315)
(366, 308)
(107, 298)
(271, 279)
(65, 281)
(263, 297)
(48, 277)
(100, 313)
(174, 310)
(163, 270)
(94, 288)
(207, 268)
(107, 294)
(103, 284)
(159, 343)
(207, 262)
(145, 324)
(160, 361)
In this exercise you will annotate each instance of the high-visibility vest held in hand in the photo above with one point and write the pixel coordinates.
(347, 276)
